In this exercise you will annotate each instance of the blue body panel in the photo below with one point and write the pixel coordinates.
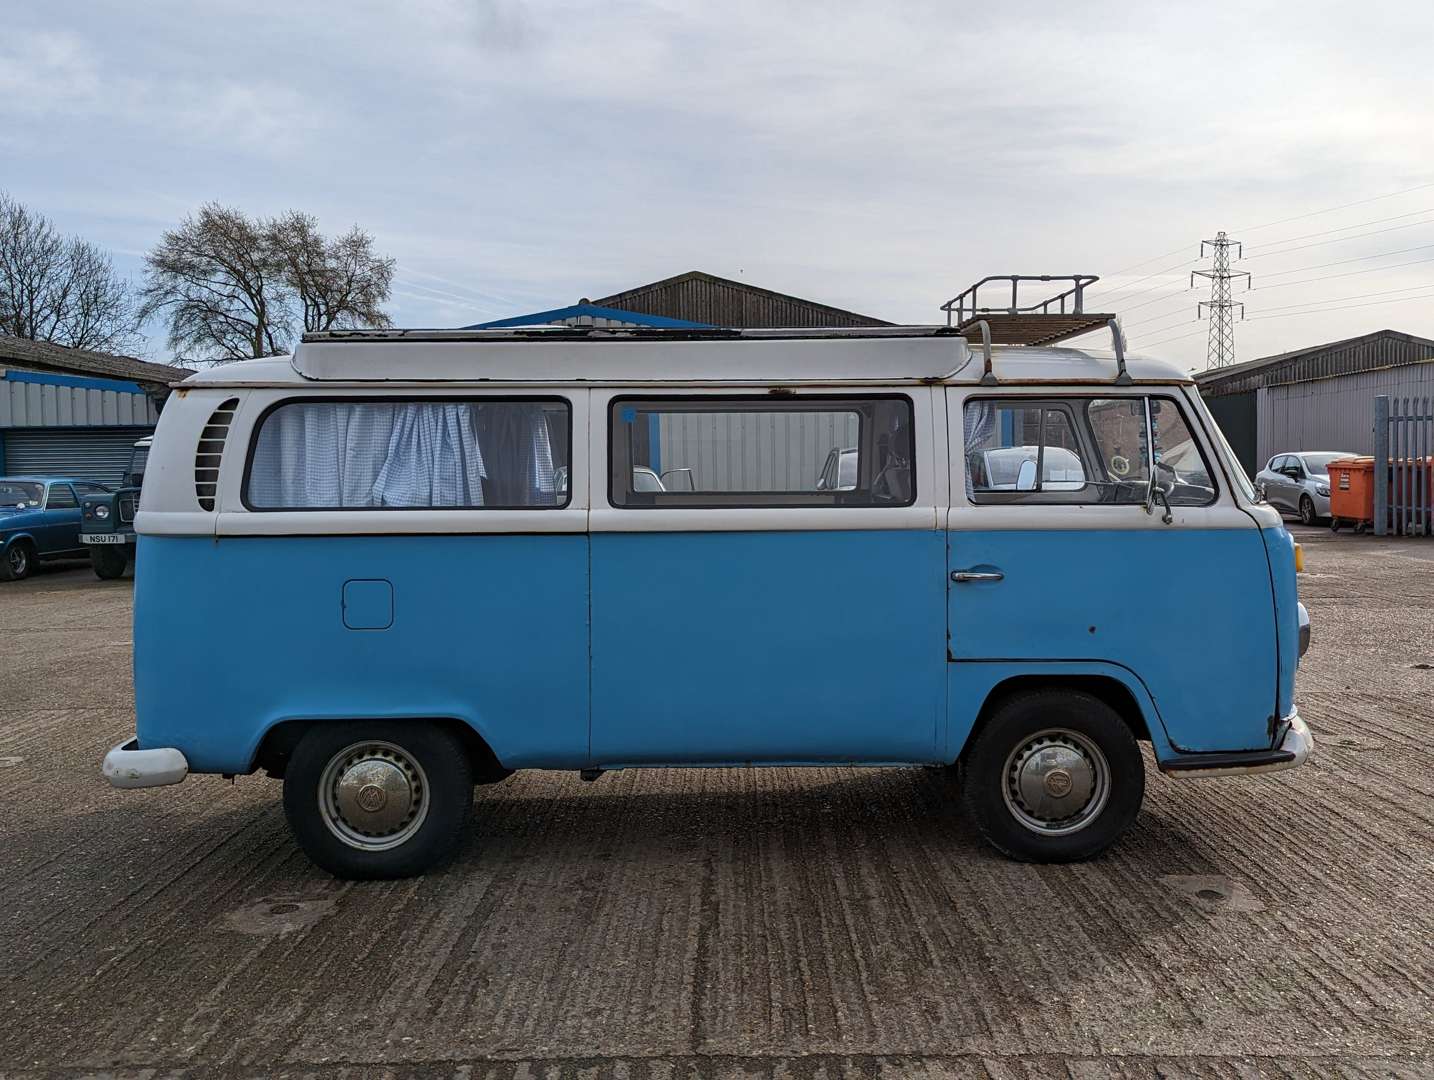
(768, 647)
(1188, 612)
(235, 635)
(1281, 548)
(705, 648)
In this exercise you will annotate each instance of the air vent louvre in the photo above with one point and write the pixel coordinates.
(210, 451)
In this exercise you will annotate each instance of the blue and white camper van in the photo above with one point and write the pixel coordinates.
(397, 564)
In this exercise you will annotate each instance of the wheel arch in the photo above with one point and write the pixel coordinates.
(1128, 703)
(277, 743)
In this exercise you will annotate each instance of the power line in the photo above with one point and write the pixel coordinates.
(1345, 307)
(1350, 273)
(1345, 262)
(1332, 209)
(1342, 239)
(1295, 314)
(1315, 305)
(1343, 228)
(1270, 224)
(1149, 288)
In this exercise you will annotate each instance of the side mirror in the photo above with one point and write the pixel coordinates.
(1026, 476)
(1157, 490)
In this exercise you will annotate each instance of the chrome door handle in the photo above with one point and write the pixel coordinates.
(976, 575)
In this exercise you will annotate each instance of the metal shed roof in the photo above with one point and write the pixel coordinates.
(720, 301)
(1368, 352)
(44, 356)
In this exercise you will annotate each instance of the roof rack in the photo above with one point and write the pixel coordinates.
(1041, 322)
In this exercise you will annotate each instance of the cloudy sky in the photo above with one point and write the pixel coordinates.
(515, 156)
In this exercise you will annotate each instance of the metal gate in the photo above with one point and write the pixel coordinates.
(99, 454)
(1403, 476)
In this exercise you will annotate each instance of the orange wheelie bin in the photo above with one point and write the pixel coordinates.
(1351, 493)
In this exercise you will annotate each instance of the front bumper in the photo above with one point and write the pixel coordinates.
(1295, 745)
(127, 766)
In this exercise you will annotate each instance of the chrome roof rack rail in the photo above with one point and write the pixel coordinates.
(1117, 337)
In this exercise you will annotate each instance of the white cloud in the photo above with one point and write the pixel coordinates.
(519, 155)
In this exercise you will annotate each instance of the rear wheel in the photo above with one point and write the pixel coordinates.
(1054, 776)
(19, 560)
(108, 562)
(1307, 510)
(378, 799)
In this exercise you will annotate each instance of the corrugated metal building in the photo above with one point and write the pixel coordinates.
(72, 412)
(1319, 398)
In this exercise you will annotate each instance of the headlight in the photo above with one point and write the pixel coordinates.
(102, 511)
(1321, 489)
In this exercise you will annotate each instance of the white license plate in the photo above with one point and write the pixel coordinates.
(103, 538)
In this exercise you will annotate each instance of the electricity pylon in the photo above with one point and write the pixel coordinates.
(1221, 348)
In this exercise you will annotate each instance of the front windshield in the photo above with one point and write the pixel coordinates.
(20, 495)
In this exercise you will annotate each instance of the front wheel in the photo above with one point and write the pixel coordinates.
(108, 562)
(17, 562)
(1307, 510)
(378, 799)
(1054, 776)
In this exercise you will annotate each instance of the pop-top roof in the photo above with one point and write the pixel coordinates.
(561, 355)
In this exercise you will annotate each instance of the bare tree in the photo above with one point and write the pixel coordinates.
(60, 289)
(339, 283)
(217, 282)
(233, 287)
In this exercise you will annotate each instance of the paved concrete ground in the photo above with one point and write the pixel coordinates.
(779, 923)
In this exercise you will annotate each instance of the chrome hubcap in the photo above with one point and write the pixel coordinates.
(373, 796)
(1056, 782)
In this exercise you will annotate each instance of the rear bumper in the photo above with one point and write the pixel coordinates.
(127, 766)
(1291, 751)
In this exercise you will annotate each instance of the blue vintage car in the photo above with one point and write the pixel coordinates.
(40, 519)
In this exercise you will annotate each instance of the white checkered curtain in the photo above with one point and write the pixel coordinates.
(405, 454)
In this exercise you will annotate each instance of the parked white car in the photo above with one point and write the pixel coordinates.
(1298, 483)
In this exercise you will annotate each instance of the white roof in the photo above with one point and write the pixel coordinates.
(881, 356)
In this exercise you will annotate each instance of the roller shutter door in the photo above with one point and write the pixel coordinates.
(100, 454)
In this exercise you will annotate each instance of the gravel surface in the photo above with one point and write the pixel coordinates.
(803, 923)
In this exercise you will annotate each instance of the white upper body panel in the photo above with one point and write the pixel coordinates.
(935, 371)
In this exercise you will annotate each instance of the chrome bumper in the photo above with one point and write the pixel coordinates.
(127, 766)
(1294, 750)
(1304, 617)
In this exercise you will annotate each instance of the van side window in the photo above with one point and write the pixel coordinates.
(409, 454)
(1081, 450)
(735, 452)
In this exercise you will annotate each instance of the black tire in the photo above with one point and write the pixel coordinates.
(1307, 511)
(419, 755)
(1023, 728)
(108, 562)
(18, 561)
